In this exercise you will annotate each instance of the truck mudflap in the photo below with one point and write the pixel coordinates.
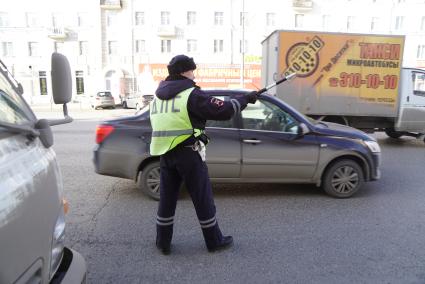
(73, 268)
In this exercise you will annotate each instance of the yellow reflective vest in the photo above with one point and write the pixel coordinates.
(170, 123)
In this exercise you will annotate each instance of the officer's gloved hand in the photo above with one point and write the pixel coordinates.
(252, 97)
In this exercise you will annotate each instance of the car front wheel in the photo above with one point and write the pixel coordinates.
(148, 180)
(343, 179)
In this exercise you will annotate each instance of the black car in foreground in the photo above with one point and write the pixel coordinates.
(268, 142)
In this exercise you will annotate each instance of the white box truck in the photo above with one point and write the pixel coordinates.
(352, 79)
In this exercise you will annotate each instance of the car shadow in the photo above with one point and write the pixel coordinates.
(265, 190)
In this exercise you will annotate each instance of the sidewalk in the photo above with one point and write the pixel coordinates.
(79, 111)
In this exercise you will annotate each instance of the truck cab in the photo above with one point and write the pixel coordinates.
(412, 104)
(32, 205)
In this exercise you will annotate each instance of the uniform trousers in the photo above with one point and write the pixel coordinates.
(182, 164)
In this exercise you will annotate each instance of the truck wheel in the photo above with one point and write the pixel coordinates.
(392, 133)
(343, 179)
(148, 180)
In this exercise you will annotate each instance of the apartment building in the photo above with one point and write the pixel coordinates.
(124, 45)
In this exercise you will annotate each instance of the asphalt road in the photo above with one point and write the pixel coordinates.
(283, 233)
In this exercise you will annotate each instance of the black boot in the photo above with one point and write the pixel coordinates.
(225, 243)
(164, 249)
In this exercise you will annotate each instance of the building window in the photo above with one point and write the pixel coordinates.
(192, 45)
(299, 20)
(112, 47)
(4, 20)
(326, 19)
(421, 52)
(57, 20)
(243, 18)
(32, 20)
(423, 23)
(270, 19)
(42, 77)
(165, 45)
(191, 18)
(165, 18)
(58, 46)
(79, 80)
(350, 22)
(140, 46)
(243, 46)
(111, 19)
(374, 24)
(83, 19)
(84, 47)
(139, 18)
(6, 49)
(218, 18)
(33, 48)
(218, 46)
(399, 22)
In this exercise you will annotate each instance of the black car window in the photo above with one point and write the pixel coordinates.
(264, 115)
(220, 123)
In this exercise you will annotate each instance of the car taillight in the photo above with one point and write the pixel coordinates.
(102, 131)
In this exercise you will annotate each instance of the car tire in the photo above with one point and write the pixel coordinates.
(352, 179)
(148, 180)
(392, 133)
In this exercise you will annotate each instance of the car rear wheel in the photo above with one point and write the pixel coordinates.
(148, 180)
(343, 179)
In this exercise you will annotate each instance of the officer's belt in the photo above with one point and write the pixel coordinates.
(166, 133)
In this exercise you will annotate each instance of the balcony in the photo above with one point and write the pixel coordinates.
(57, 33)
(302, 5)
(167, 31)
(110, 4)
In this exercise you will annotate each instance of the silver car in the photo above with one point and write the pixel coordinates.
(102, 100)
(268, 142)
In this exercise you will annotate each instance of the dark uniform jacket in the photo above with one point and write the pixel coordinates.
(201, 106)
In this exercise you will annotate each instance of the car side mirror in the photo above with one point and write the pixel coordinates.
(302, 129)
(61, 85)
(61, 79)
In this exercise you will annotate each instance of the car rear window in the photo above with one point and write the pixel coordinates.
(105, 94)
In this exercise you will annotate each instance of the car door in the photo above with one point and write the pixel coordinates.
(271, 147)
(224, 149)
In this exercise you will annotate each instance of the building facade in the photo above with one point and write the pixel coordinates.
(124, 46)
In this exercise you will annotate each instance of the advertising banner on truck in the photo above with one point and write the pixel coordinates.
(350, 65)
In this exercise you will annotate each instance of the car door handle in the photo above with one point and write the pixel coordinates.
(252, 141)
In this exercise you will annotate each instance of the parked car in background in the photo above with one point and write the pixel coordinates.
(268, 142)
(32, 208)
(132, 101)
(146, 99)
(137, 101)
(102, 99)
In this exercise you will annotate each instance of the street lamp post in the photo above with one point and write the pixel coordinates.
(243, 46)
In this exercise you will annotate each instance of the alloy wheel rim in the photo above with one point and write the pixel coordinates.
(345, 179)
(153, 180)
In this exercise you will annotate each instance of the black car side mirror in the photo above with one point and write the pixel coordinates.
(302, 129)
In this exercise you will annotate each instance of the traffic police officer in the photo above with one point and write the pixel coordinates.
(178, 115)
